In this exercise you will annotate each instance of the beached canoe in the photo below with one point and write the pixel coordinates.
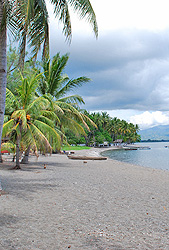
(80, 157)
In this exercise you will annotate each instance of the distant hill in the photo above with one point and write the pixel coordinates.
(156, 133)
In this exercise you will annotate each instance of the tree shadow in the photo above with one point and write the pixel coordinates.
(24, 187)
(8, 220)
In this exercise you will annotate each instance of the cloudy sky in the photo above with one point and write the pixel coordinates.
(128, 63)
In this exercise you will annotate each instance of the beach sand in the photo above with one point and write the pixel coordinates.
(76, 204)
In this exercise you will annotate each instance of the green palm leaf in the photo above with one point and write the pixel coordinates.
(7, 127)
(73, 99)
(39, 138)
(49, 132)
(71, 85)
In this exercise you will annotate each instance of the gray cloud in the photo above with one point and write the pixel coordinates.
(129, 69)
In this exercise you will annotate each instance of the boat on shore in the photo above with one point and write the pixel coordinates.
(80, 157)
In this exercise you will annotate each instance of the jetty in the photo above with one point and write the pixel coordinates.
(135, 147)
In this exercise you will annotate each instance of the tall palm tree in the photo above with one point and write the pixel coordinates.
(31, 122)
(29, 19)
(3, 68)
(55, 85)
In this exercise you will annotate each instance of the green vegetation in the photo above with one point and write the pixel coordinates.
(69, 148)
(38, 111)
(108, 130)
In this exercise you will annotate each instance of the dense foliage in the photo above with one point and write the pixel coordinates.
(38, 109)
(108, 130)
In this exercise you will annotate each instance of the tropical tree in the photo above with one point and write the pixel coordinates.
(30, 122)
(55, 85)
(29, 21)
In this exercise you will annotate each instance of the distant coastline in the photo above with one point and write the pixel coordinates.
(156, 134)
(151, 140)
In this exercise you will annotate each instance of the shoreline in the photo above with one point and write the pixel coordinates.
(77, 205)
(95, 151)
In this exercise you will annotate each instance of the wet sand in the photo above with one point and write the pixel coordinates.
(76, 204)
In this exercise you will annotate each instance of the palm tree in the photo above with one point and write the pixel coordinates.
(30, 21)
(55, 86)
(30, 124)
(3, 68)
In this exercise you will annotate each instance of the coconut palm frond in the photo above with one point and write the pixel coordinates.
(28, 87)
(33, 26)
(55, 77)
(87, 119)
(49, 132)
(9, 18)
(74, 126)
(67, 106)
(10, 97)
(71, 85)
(85, 10)
(51, 115)
(7, 127)
(38, 104)
(73, 98)
(72, 112)
(46, 120)
(30, 139)
(82, 7)
(57, 108)
(61, 11)
(40, 139)
(38, 32)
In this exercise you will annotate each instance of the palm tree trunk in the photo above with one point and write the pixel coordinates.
(3, 70)
(26, 156)
(17, 154)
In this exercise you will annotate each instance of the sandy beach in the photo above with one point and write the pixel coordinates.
(76, 204)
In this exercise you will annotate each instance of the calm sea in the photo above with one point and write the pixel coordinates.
(156, 157)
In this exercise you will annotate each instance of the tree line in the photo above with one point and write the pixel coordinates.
(108, 130)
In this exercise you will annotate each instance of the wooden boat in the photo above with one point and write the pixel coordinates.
(80, 157)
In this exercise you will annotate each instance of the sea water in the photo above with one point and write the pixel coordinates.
(156, 157)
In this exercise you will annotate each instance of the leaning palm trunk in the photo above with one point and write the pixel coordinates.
(3, 70)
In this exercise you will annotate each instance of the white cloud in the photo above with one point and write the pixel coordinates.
(150, 119)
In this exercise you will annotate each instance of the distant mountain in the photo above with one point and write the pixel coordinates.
(156, 133)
